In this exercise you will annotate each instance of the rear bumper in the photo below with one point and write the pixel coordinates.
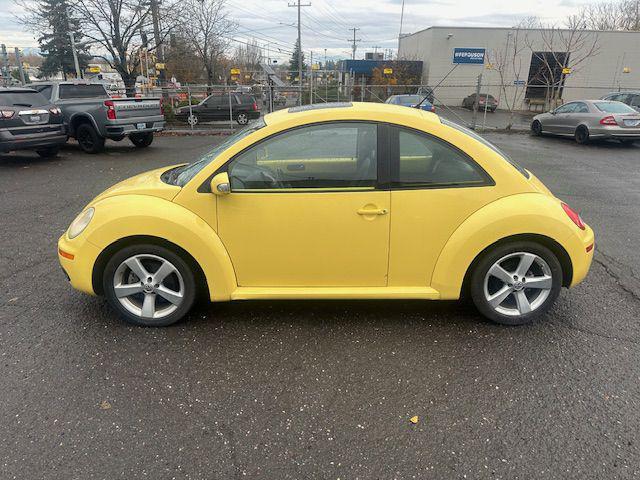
(615, 132)
(31, 141)
(581, 255)
(119, 128)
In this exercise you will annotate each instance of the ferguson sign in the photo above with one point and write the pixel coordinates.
(474, 56)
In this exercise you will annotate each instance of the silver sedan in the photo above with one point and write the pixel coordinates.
(589, 120)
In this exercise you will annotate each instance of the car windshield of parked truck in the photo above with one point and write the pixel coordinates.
(181, 175)
(614, 107)
(22, 99)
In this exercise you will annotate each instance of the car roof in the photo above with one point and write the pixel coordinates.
(16, 89)
(347, 111)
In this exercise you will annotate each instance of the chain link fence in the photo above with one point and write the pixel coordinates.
(221, 107)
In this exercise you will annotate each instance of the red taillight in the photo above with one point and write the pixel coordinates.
(433, 109)
(574, 216)
(111, 110)
(255, 106)
(7, 113)
(608, 120)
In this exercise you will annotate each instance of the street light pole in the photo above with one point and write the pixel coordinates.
(299, 5)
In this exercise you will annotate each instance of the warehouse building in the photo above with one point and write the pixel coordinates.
(532, 69)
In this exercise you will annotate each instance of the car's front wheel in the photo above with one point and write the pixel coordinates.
(149, 285)
(536, 128)
(515, 283)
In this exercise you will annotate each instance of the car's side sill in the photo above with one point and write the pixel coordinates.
(264, 293)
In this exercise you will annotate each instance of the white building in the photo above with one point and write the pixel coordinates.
(522, 59)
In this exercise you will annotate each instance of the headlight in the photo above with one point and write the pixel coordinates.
(80, 223)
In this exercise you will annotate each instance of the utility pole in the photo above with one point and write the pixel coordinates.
(6, 76)
(353, 47)
(155, 16)
(73, 46)
(474, 118)
(311, 79)
(401, 20)
(326, 78)
(299, 5)
(20, 69)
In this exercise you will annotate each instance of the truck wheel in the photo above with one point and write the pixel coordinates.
(88, 139)
(48, 152)
(141, 140)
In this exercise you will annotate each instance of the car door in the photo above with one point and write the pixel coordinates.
(579, 116)
(559, 119)
(434, 188)
(306, 210)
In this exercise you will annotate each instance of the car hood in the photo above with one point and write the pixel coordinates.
(148, 183)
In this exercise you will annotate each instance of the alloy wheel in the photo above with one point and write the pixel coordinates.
(518, 283)
(243, 119)
(148, 286)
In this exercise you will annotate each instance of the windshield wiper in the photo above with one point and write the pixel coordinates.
(22, 105)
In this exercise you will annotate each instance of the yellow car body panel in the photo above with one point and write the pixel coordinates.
(419, 245)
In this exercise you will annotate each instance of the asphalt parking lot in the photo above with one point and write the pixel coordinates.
(316, 389)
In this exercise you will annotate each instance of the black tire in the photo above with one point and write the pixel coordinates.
(582, 135)
(480, 271)
(88, 139)
(141, 140)
(48, 152)
(185, 271)
(536, 128)
(242, 118)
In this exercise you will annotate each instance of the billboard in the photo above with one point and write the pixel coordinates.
(473, 56)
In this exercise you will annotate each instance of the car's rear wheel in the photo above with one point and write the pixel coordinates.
(141, 140)
(582, 135)
(48, 152)
(193, 120)
(536, 128)
(88, 139)
(515, 283)
(242, 119)
(149, 285)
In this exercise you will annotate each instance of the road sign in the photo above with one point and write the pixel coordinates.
(469, 56)
(235, 71)
(519, 82)
(94, 70)
(566, 71)
(315, 66)
(388, 71)
(626, 70)
(160, 66)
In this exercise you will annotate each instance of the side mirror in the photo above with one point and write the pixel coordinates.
(552, 112)
(220, 184)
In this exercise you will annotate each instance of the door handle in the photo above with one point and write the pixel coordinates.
(372, 211)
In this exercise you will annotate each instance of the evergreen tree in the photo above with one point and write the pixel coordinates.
(293, 63)
(55, 44)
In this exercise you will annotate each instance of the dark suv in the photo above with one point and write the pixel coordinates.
(630, 98)
(239, 106)
(28, 121)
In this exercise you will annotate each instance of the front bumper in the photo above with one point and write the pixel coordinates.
(79, 269)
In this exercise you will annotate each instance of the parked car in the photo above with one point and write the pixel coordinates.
(484, 101)
(28, 121)
(92, 116)
(238, 106)
(630, 98)
(590, 119)
(411, 101)
(300, 205)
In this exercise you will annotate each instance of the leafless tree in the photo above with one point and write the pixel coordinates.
(562, 49)
(206, 27)
(507, 63)
(614, 15)
(248, 57)
(118, 30)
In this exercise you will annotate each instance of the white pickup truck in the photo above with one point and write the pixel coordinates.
(92, 115)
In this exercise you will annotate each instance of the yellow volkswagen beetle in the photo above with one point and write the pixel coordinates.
(331, 201)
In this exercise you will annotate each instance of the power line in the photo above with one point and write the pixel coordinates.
(353, 48)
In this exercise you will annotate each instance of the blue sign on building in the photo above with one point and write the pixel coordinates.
(474, 56)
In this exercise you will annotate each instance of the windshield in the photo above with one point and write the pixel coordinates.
(181, 175)
(410, 99)
(614, 107)
(22, 99)
(475, 136)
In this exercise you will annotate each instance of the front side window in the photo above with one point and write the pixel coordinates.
(427, 161)
(568, 108)
(635, 101)
(322, 156)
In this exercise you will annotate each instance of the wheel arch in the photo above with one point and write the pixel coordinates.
(548, 242)
(102, 260)
(78, 119)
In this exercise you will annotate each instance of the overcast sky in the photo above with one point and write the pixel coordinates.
(326, 23)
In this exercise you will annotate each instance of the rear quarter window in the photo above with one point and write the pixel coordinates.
(82, 91)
